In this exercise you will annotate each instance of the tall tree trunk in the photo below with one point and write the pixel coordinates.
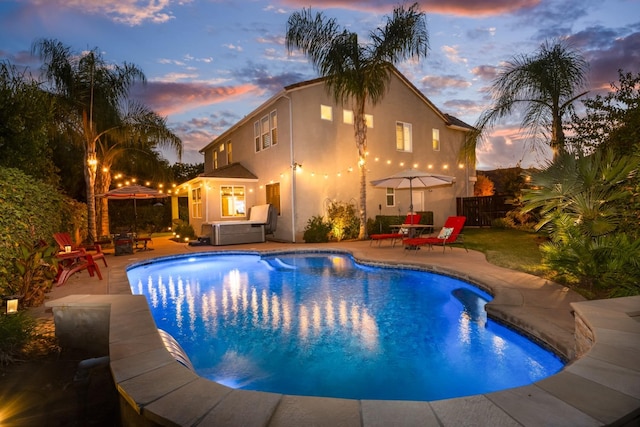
(102, 186)
(557, 133)
(90, 179)
(360, 126)
(91, 167)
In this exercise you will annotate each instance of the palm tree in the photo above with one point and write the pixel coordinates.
(356, 72)
(92, 92)
(137, 134)
(543, 87)
(583, 203)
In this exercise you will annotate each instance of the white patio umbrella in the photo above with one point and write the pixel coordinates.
(413, 178)
(133, 192)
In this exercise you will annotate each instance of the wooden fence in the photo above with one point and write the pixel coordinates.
(480, 211)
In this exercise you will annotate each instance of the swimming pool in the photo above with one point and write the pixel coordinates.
(323, 325)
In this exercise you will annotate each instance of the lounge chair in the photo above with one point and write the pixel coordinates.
(400, 234)
(449, 235)
(64, 239)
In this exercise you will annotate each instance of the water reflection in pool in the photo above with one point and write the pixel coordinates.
(323, 325)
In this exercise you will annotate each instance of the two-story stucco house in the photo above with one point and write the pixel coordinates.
(297, 151)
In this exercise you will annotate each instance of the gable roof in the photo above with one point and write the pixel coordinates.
(231, 171)
(448, 119)
(457, 123)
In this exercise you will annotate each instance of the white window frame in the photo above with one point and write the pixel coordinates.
(390, 198)
(229, 152)
(326, 112)
(256, 135)
(368, 119)
(265, 131)
(237, 200)
(347, 117)
(435, 135)
(273, 119)
(196, 202)
(404, 142)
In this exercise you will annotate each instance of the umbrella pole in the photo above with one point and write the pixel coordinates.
(411, 201)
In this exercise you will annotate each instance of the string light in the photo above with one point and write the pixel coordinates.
(120, 181)
(350, 169)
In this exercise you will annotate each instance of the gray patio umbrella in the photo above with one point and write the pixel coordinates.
(133, 192)
(413, 178)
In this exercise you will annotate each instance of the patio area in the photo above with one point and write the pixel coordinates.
(600, 388)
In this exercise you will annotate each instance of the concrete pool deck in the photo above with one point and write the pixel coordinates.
(602, 387)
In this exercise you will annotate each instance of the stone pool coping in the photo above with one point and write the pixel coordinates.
(602, 387)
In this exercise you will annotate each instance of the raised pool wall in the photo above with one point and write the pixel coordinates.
(599, 387)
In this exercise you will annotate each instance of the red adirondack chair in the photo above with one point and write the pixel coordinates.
(64, 239)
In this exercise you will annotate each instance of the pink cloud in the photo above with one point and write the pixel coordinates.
(437, 85)
(485, 72)
(456, 7)
(173, 98)
(129, 12)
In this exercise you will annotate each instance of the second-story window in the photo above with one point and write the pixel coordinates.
(326, 112)
(347, 117)
(229, 153)
(368, 119)
(274, 127)
(256, 134)
(403, 136)
(436, 139)
(265, 131)
(215, 159)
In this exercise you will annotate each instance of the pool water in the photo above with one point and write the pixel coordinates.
(324, 325)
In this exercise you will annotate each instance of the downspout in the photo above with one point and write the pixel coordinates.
(293, 173)
(206, 205)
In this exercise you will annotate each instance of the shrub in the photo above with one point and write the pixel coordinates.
(501, 223)
(16, 331)
(36, 265)
(603, 266)
(184, 229)
(317, 230)
(31, 211)
(515, 219)
(343, 220)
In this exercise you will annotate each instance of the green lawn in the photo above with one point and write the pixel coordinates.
(509, 248)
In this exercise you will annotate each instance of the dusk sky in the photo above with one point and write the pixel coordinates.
(211, 62)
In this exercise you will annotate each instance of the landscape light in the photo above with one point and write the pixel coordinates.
(12, 304)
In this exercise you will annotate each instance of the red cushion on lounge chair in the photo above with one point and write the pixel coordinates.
(454, 223)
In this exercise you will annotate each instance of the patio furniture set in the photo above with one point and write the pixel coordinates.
(411, 233)
(74, 258)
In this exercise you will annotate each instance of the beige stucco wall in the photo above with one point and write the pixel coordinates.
(211, 202)
(327, 151)
(328, 155)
